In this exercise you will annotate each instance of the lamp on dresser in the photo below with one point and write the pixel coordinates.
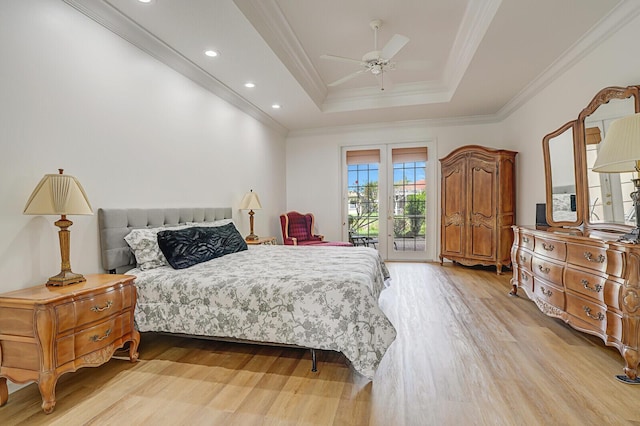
(620, 152)
(251, 202)
(60, 194)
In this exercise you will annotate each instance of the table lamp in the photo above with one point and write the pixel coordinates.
(60, 194)
(251, 202)
(620, 152)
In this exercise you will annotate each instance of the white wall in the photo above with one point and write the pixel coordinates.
(314, 165)
(133, 131)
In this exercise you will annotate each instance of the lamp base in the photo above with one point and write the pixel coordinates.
(251, 237)
(65, 278)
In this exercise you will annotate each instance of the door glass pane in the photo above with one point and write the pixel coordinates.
(364, 219)
(409, 206)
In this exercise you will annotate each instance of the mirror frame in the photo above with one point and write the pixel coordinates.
(601, 98)
(577, 170)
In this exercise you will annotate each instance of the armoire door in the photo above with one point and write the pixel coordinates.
(482, 176)
(454, 200)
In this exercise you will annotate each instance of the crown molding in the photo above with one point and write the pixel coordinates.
(622, 14)
(419, 93)
(475, 23)
(408, 124)
(111, 18)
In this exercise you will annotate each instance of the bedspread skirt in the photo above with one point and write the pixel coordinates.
(315, 297)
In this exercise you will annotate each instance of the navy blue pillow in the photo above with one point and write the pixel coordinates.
(190, 246)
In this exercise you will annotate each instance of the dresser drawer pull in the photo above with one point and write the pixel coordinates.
(106, 306)
(525, 239)
(96, 338)
(589, 256)
(548, 247)
(587, 310)
(546, 292)
(525, 277)
(543, 269)
(522, 258)
(596, 288)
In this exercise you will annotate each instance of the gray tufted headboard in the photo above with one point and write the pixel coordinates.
(114, 224)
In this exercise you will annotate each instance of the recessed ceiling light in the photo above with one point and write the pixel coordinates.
(145, 1)
(249, 85)
(211, 53)
(275, 106)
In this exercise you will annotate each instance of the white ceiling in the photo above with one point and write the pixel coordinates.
(483, 57)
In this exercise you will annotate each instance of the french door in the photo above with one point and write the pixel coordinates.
(388, 199)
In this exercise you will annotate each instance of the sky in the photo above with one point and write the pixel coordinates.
(361, 174)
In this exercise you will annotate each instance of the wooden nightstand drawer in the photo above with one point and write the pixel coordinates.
(100, 336)
(98, 307)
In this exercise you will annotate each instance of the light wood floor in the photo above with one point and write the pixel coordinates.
(466, 354)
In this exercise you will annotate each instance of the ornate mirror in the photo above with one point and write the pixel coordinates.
(562, 194)
(606, 203)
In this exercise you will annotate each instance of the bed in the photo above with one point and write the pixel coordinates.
(311, 297)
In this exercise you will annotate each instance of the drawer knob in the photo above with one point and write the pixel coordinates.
(525, 239)
(546, 292)
(587, 310)
(589, 256)
(595, 289)
(106, 306)
(548, 247)
(96, 338)
(543, 269)
(522, 259)
(524, 276)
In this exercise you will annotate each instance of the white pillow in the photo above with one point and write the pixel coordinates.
(144, 243)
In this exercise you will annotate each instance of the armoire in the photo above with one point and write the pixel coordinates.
(478, 206)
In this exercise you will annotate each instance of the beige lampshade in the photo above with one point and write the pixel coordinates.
(250, 201)
(58, 194)
(620, 149)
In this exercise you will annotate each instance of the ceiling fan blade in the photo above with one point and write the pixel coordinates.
(413, 65)
(394, 45)
(345, 78)
(342, 59)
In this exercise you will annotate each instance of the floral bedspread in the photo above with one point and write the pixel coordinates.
(315, 297)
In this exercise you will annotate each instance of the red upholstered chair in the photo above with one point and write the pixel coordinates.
(297, 230)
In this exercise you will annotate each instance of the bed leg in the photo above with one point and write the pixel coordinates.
(314, 364)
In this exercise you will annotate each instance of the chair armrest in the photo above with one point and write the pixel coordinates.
(316, 238)
(290, 241)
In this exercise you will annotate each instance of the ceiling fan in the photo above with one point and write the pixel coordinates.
(376, 62)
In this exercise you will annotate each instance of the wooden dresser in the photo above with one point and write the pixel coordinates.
(48, 331)
(478, 206)
(588, 280)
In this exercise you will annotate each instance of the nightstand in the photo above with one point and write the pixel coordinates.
(48, 331)
(265, 241)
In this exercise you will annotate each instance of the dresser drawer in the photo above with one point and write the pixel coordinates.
(586, 311)
(587, 256)
(526, 241)
(524, 278)
(551, 248)
(549, 293)
(523, 258)
(546, 269)
(586, 284)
